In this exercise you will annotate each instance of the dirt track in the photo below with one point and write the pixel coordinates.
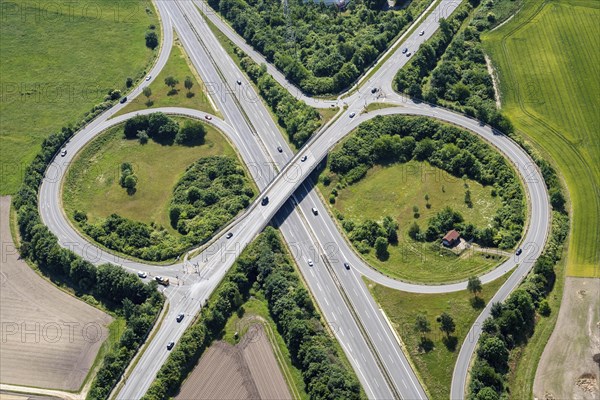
(48, 339)
(570, 365)
(248, 370)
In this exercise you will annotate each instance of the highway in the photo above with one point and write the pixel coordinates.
(341, 295)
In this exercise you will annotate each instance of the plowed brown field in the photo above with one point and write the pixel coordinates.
(48, 338)
(248, 370)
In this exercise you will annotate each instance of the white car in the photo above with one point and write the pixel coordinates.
(142, 274)
(421, 33)
(352, 114)
(310, 262)
(63, 152)
(148, 78)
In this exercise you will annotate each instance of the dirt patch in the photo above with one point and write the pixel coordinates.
(568, 368)
(48, 339)
(492, 73)
(248, 370)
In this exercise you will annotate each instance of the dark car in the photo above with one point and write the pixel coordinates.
(279, 149)
(352, 114)
(180, 317)
(265, 201)
(346, 265)
(519, 251)
(170, 345)
(239, 82)
(229, 235)
(123, 100)
(374, 90)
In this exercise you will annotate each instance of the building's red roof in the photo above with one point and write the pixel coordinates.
(452, 235)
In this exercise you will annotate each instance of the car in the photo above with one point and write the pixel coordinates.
(303, 158)
(346, 265)
(519, 251)
(148, 78)
(352, 114)
(315, 211)
(142, 274)
(279, 149)
(229, 235)
(123, 100)
(208, 117)
(180, 317)
(310, 262)
(408, 54)
(264, 201)
(63, 152)
(374, 90)
(170, 345)
(239, 82)
(421, 33)
(405, 50)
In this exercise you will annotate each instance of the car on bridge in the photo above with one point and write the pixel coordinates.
(170, 345)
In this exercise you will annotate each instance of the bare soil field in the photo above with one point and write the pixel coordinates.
(48, 338)
(248, 370)
(570, 365)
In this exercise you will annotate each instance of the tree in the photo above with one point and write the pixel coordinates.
(129, 82)
(381, 250)
(147, 92)
(468, 200)
(474, 285)
(191, 133)
(143, 137)
(130, 182)
(171, 82)
(414, 231)
(188, 83)
(422, 324)
(494, 351)
(447, 324)
(151, 40)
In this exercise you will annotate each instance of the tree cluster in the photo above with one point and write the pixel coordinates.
(211, 192)
(165, 130)
(298, 119)
(321, 48)
(264, 266)
(450, 68)
(120, 292)
(371, 234)
(513, 322)
(398, 138)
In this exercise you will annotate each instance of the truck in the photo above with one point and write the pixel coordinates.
(162, 281)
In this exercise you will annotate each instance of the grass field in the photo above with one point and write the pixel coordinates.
(178, 67)
(434, 367)
(59, 60)
(393, 191)
(548, 62)
(92, 182)
(255, 308)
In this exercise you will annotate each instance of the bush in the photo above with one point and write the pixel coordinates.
(151, 40)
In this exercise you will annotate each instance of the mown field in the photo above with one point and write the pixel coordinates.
(394, 190)
(92, 183)
(548, 62)
(434, 367)
(178, 67)
(58, 60)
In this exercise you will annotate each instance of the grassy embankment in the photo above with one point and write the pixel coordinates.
(394, 190)
(434, 367)
(179, 67)
(92, 182)
(64, 58)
